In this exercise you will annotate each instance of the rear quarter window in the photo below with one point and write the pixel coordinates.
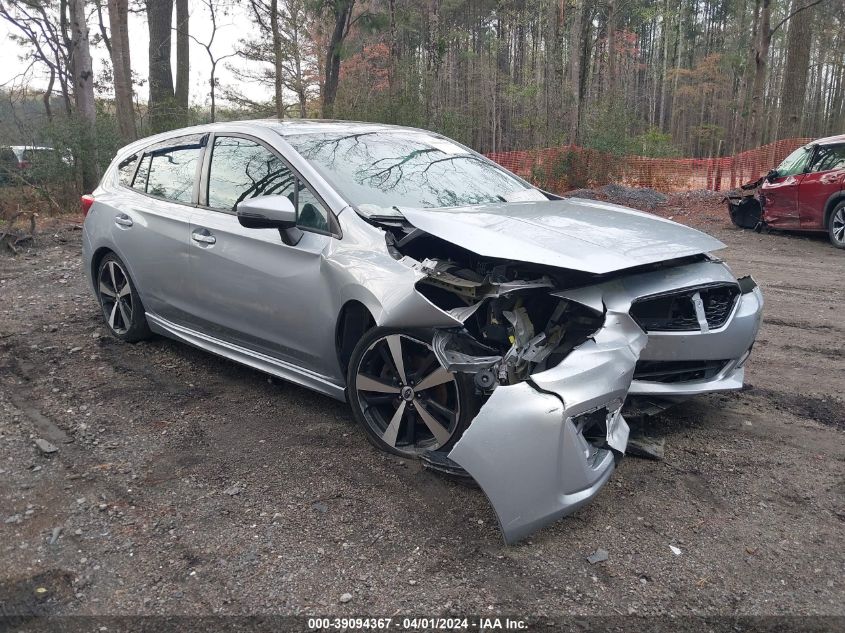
(126, 170)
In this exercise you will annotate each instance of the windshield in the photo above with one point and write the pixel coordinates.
(382, 171)
(796, 162)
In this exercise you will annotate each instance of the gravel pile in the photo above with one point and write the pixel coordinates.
(589, 194)
(702, 196)
(637, 197)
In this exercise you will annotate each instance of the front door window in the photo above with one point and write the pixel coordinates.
(796, 162)
(243, 169)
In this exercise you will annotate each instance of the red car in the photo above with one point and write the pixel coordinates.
(807, 190)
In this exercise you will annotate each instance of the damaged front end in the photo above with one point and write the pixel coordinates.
(558, 364)
(559, 311)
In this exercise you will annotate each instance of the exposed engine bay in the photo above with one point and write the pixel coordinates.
(511, 327)
(516, 321)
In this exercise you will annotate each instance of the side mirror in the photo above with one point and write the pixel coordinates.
(772, 175)
(266, 212)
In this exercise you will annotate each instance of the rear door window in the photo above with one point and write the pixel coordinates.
(169, 169)
(828, 157)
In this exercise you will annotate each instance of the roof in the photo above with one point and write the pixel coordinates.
(829, 140)
(285, 127)
(288, 127)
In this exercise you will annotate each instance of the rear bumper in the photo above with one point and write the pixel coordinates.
(87, 255)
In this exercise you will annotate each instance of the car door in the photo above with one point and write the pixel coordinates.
(780, 193)
(151, 223)
(824, 179)
(248, 286)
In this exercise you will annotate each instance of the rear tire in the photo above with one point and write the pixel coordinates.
(402, 397)
(836, 225)
(119, 301)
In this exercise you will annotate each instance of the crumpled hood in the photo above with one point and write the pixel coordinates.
(585, 235)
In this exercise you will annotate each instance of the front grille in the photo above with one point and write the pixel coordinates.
(718, 303)
(677, 370)
(675, 311)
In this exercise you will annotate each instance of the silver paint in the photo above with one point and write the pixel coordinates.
(565, 471)
(563, 474)
(573, 233)
(243, 294)
(530, 460)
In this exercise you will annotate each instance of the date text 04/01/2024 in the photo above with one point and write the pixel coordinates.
(418, 623)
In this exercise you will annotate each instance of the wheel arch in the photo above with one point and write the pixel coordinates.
(96, 258)
(830, 205)
(353, 321)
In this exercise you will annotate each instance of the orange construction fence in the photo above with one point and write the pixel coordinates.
(560, 169)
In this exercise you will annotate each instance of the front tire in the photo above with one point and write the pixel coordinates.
(836, 226)
(119, 301)
(405, 401)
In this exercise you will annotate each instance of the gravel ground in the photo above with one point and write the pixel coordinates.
(185, 484)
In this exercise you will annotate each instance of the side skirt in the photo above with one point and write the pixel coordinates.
(250, 358)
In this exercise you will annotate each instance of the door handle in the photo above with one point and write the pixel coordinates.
(123, 220)
(203, 237)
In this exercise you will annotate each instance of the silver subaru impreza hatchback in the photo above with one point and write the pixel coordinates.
(471, 320)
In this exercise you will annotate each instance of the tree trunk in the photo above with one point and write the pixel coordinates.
(761, 56)
(836, 114)
(122, 68)
(183, 59)
(83, 90)
(664, 65)
(300, 83)
(48, 94)
(679, 43)
(62, 62)
(576, 50)
(610, 78)
(433, 54)
(798, 40)
(555, 98)
(161, 103)
(342, 12)
(278, 60)
(213, 84)
(394, 48)
(302, 97)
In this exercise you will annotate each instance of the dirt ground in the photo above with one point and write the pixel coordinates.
(185, 484)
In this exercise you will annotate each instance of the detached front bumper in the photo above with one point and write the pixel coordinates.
(532, 478)
(543, 448)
